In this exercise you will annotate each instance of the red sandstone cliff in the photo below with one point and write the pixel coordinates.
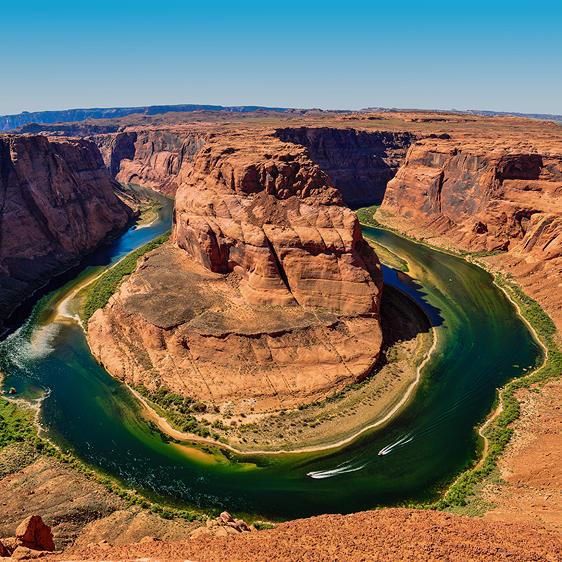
(359, 162)
(269, 296)
(155, 157)
(493, 193)
(57, 202)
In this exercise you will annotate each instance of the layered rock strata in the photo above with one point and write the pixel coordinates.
(57, 202)
(268, 297)
(493, 194)
(359, 163)
(153, 157)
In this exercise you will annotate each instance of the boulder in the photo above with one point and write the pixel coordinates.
(33, 533)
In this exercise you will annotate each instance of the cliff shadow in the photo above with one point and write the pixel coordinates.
(403, 319)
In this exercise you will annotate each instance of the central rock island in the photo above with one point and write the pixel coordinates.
(268, 297)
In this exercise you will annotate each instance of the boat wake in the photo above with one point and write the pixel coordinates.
(397, 444)
(340, 469)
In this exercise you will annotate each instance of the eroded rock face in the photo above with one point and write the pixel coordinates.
(359, 163)
(269, 296)
(153, 157)
(490, 195)
(496, 193)
(279, 224)
(57, 202)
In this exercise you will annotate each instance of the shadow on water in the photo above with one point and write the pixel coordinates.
(416, 291)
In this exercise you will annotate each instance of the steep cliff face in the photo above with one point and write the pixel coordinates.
(359, 163)
(502, 193)
(269, 296)
(57, 202)
(157, 158)
(485, 196)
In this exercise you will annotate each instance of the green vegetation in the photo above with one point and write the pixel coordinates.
(365, 216)
(177, 411)
(16, 424)
(498, 433)
(101, 290)
(261, 525)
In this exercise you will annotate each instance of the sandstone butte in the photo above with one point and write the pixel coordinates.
(493, 193)
(268, 296)
(57, 202)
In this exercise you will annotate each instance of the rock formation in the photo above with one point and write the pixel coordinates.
(501, 193)
(359, 163)
(57, 202)
(269, 296)
(155, 157)
(33, 539)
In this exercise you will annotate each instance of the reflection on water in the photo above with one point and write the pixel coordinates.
(481, 340)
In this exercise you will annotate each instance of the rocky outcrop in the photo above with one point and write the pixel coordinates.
(359, 163)
(486, 196)
(222, 526)
(57, 202)
(269, 296)
(33, 539)
(500, 193)
(33, 533)
(157, 158)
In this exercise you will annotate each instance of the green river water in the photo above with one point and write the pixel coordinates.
(482, 343)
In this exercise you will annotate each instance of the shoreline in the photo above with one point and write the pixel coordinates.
(475, 261)
(165, 426)
(499, 409)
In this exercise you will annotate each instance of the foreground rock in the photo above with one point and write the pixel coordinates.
(269, 296)
(389, 535)
(33, 539)
(497, 193)
(79, 511)
(57, 202)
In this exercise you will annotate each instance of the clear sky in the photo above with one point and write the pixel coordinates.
(496, 55)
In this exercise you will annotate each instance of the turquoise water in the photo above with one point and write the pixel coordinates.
(481, 344)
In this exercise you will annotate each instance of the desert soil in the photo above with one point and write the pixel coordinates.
(385, 535)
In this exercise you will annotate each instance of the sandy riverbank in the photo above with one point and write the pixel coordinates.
(329, 424)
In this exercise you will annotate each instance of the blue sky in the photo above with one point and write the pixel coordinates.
(502, 56)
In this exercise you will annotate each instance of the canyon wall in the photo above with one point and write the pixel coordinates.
(268, 297)
(491, 194)
(359, 163)
(57, 202)
(156, 158)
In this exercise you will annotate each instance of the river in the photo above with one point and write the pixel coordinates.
(482, 343)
